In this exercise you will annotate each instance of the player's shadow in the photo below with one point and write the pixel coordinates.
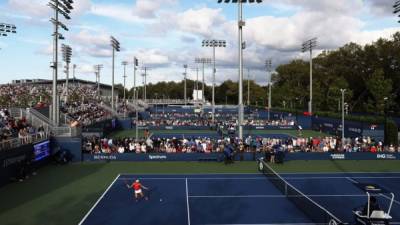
(48, 179)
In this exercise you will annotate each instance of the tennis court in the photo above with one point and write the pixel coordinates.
(240, 199)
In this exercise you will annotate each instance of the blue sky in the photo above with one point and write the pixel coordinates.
(165, 34)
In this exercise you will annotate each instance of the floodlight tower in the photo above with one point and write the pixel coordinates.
(214, 44)
(73, 72)
(309, 46)
(64, 8)
(248, 87)
(135, 65)
(66, 53)
(203, 61)
(124, 63)
(115, 48)
(196, 84)
(268, 67)
(184, 77)
(396, 7)
(135, 97)
(343, 106)
(241, 45)
(145, 69)
(97, 70)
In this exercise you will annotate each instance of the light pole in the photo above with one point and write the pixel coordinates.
(115, 47)
(97, 70)
(241, 45)
(135, 65)
(248, 87)
(145, 83)
(214, 44)
(135, 96)
(385, 131)
(203, 61)
(124, 63)
(64, 8)
(184, 77)
(73, 72)
(343, 92)
(66, 53)
(309, 46)
(196, 83)
(268, 67)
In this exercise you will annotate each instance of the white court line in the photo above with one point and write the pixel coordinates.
(98, 200)
(352, 180)
(256, 178)
(187, 201)
(267, 196)
(285, 173)
(387, 197)
(275, 224)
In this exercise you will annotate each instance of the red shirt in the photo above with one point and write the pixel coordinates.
(137, 186)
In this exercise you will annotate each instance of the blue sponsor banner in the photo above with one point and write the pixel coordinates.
(246, 156)
(343, 156)
(334, 126)
(268, 127)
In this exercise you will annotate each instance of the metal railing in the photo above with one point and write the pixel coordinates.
(37, 119)
(17, 142)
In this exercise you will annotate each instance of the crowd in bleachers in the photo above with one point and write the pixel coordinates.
(83, 106)
(85, 113)
(12, 129)
(97, 145)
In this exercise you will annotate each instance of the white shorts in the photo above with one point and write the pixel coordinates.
(138, 191)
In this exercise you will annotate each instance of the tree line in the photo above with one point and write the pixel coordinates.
(370, 74)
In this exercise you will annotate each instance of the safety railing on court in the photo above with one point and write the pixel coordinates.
(36, 119)
(17, 142)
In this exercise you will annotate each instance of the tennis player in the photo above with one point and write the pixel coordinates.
(137, 187)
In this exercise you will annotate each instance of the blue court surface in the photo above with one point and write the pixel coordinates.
(235, 199)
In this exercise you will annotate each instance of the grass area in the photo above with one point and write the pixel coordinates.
(294, 133)
(61, 195)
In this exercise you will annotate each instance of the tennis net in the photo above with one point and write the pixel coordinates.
(314, 211)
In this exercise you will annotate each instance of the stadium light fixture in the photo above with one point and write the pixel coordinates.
(241, 45)
(268, 67)
(203, 61)
(66, 54)
(115, 48)
(309, 46)
(6, 29)
(396, 8)
(214, 44)
(64, 8)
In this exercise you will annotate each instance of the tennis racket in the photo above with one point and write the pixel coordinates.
(127, 184)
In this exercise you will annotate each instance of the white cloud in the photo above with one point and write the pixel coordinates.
(90, 43)
(149, 9)
(38, 9)
(33, 8)
(150, 57)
